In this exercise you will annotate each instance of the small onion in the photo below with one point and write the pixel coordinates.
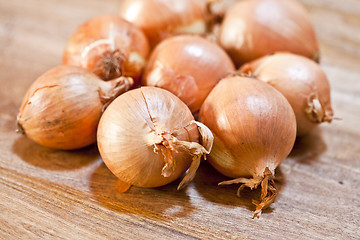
(62, 108)
(189, 67)
(254, 129)
(160, 19)
(148, 138)
(252, 29)
(108, 46)
(301, 81)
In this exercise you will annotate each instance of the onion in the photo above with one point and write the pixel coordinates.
(148, 138)
(255, 28)
(301, 81)
(189, 67)
(108, 46)
(254, 129)
(62, 108)
(163, 18)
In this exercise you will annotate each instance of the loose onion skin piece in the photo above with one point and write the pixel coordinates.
(62, 108)
(301, 81)
(254, 129)
(148, 138)
(189, 67)
(160, 19)
(108, 46)
(252, 29)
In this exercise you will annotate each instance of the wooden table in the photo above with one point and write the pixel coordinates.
(47, 193)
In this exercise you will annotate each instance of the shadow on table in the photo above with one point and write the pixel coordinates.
(52, 159)
(308, 148)
(206, 183)
(162, 203)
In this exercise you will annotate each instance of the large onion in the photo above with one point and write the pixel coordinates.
(148, 137)
(254, 129)
(301, 81)
(163, 18)
(189, 67)
(255, 28)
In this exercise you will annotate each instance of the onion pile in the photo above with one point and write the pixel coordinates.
(189, 67)
(252, 29)
(160, 19)
(108, 46)
(301, 81)
(148, 136)
(254, 130)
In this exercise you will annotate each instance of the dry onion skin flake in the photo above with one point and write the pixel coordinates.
(147, 137)
(254, 129)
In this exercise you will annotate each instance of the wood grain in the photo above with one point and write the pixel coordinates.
(51, 194)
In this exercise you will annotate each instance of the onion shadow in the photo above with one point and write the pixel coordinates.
(164, 203)
(53, 159)
(206, 183)
(308, 148)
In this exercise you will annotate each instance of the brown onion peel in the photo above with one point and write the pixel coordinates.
(162, 19)
(254, 129)
(250, 30)
(163, 143)
(301, 81)
(61, 109)
(197, 67)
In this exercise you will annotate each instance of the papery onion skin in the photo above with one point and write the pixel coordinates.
(301, 81)
(131, 128)
(252, 29)
(62, 108)
(160, 19)
(108, 46)
(254, 127)
(189, 67)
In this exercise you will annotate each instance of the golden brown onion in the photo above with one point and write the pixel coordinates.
(62, 108)
(255, 28)
(189, 67)
(108, 46)
(254, 129)
(301, 81)
(160, 19)
(148, 138)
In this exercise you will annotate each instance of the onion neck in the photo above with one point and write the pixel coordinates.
(110, 65)
(316, 112)
(168, 144)
(110, 90)
(19, 126)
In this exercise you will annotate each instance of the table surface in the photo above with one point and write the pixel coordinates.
(47, 193)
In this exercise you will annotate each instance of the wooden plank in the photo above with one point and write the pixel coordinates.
(49, 194)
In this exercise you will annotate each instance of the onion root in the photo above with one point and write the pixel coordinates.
(269, 189)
